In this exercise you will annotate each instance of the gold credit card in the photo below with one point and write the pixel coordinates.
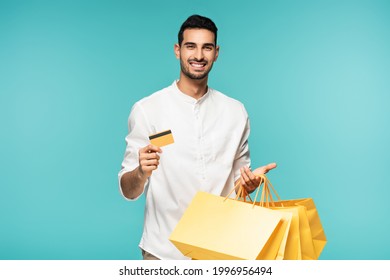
(162, 138)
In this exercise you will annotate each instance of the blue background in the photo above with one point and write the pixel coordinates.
(313, 75)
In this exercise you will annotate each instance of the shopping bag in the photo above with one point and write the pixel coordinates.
(286, 221)
(312, 239)
(292, 247)
(310, 214)
(285, 229)
(215, 227)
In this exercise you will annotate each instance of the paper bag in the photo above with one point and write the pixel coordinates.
(214, 227)
(310, 225)
(312, 237)
(292, 248)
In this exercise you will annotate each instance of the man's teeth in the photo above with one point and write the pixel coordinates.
(197, 64)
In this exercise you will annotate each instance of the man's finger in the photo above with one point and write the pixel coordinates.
(152, 156)
(264, 169)
(244, 176)
(271, 166)
(249, 173)
(150, 148)
(149, 168)
(148, 156)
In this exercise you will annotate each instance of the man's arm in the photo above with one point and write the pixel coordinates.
(133, 182)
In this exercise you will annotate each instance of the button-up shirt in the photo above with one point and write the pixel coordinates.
(210, 146)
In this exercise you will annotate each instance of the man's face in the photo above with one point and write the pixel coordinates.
(197, 53)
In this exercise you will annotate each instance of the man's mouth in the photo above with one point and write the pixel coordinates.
(198, 64)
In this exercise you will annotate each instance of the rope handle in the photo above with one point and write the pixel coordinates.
(266, 192)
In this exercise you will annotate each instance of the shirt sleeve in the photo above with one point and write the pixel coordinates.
(243, 155)
(136, 138)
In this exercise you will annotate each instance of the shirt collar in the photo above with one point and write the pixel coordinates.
(187, 98)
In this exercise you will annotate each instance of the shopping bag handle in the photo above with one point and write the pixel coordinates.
(241, 192)
(266, 192)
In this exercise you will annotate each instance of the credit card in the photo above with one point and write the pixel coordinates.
(162, 138)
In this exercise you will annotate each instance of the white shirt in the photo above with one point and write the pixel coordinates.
(210, 146)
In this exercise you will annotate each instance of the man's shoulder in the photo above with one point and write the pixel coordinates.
(155, 97)
(226, 99)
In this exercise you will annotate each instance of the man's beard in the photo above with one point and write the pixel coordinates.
(193, 76)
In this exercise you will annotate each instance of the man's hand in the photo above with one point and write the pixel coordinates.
(248, 178)
(148, 160)
(132, 183)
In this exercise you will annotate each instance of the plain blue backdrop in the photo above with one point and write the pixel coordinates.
(313, 75)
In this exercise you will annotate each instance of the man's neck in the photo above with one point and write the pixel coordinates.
(194, 88)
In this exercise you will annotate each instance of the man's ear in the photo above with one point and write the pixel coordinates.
(176, 49)
(216, 53)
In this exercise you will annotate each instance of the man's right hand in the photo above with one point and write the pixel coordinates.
(148, 160)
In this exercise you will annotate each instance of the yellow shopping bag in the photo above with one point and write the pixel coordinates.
(310, 225)
(214, 227)
(309, 240)
(292, 248)
(285, 229)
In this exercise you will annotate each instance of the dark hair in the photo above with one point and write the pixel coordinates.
(197, 21)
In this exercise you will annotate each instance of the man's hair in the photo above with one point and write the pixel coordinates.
(197, 21)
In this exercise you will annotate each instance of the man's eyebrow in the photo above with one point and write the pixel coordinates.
(205, 45)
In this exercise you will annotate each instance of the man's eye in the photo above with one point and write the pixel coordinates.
(208, 48)
(190, 47)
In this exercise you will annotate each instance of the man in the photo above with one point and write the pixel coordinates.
(210, 150)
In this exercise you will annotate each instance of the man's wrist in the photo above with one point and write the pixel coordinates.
(141, 175)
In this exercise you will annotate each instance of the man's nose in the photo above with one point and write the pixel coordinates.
(199, 54)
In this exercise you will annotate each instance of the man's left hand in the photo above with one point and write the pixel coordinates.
(249, 180)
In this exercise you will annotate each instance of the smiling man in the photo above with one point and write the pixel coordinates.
(208, 147)
(197, 53)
